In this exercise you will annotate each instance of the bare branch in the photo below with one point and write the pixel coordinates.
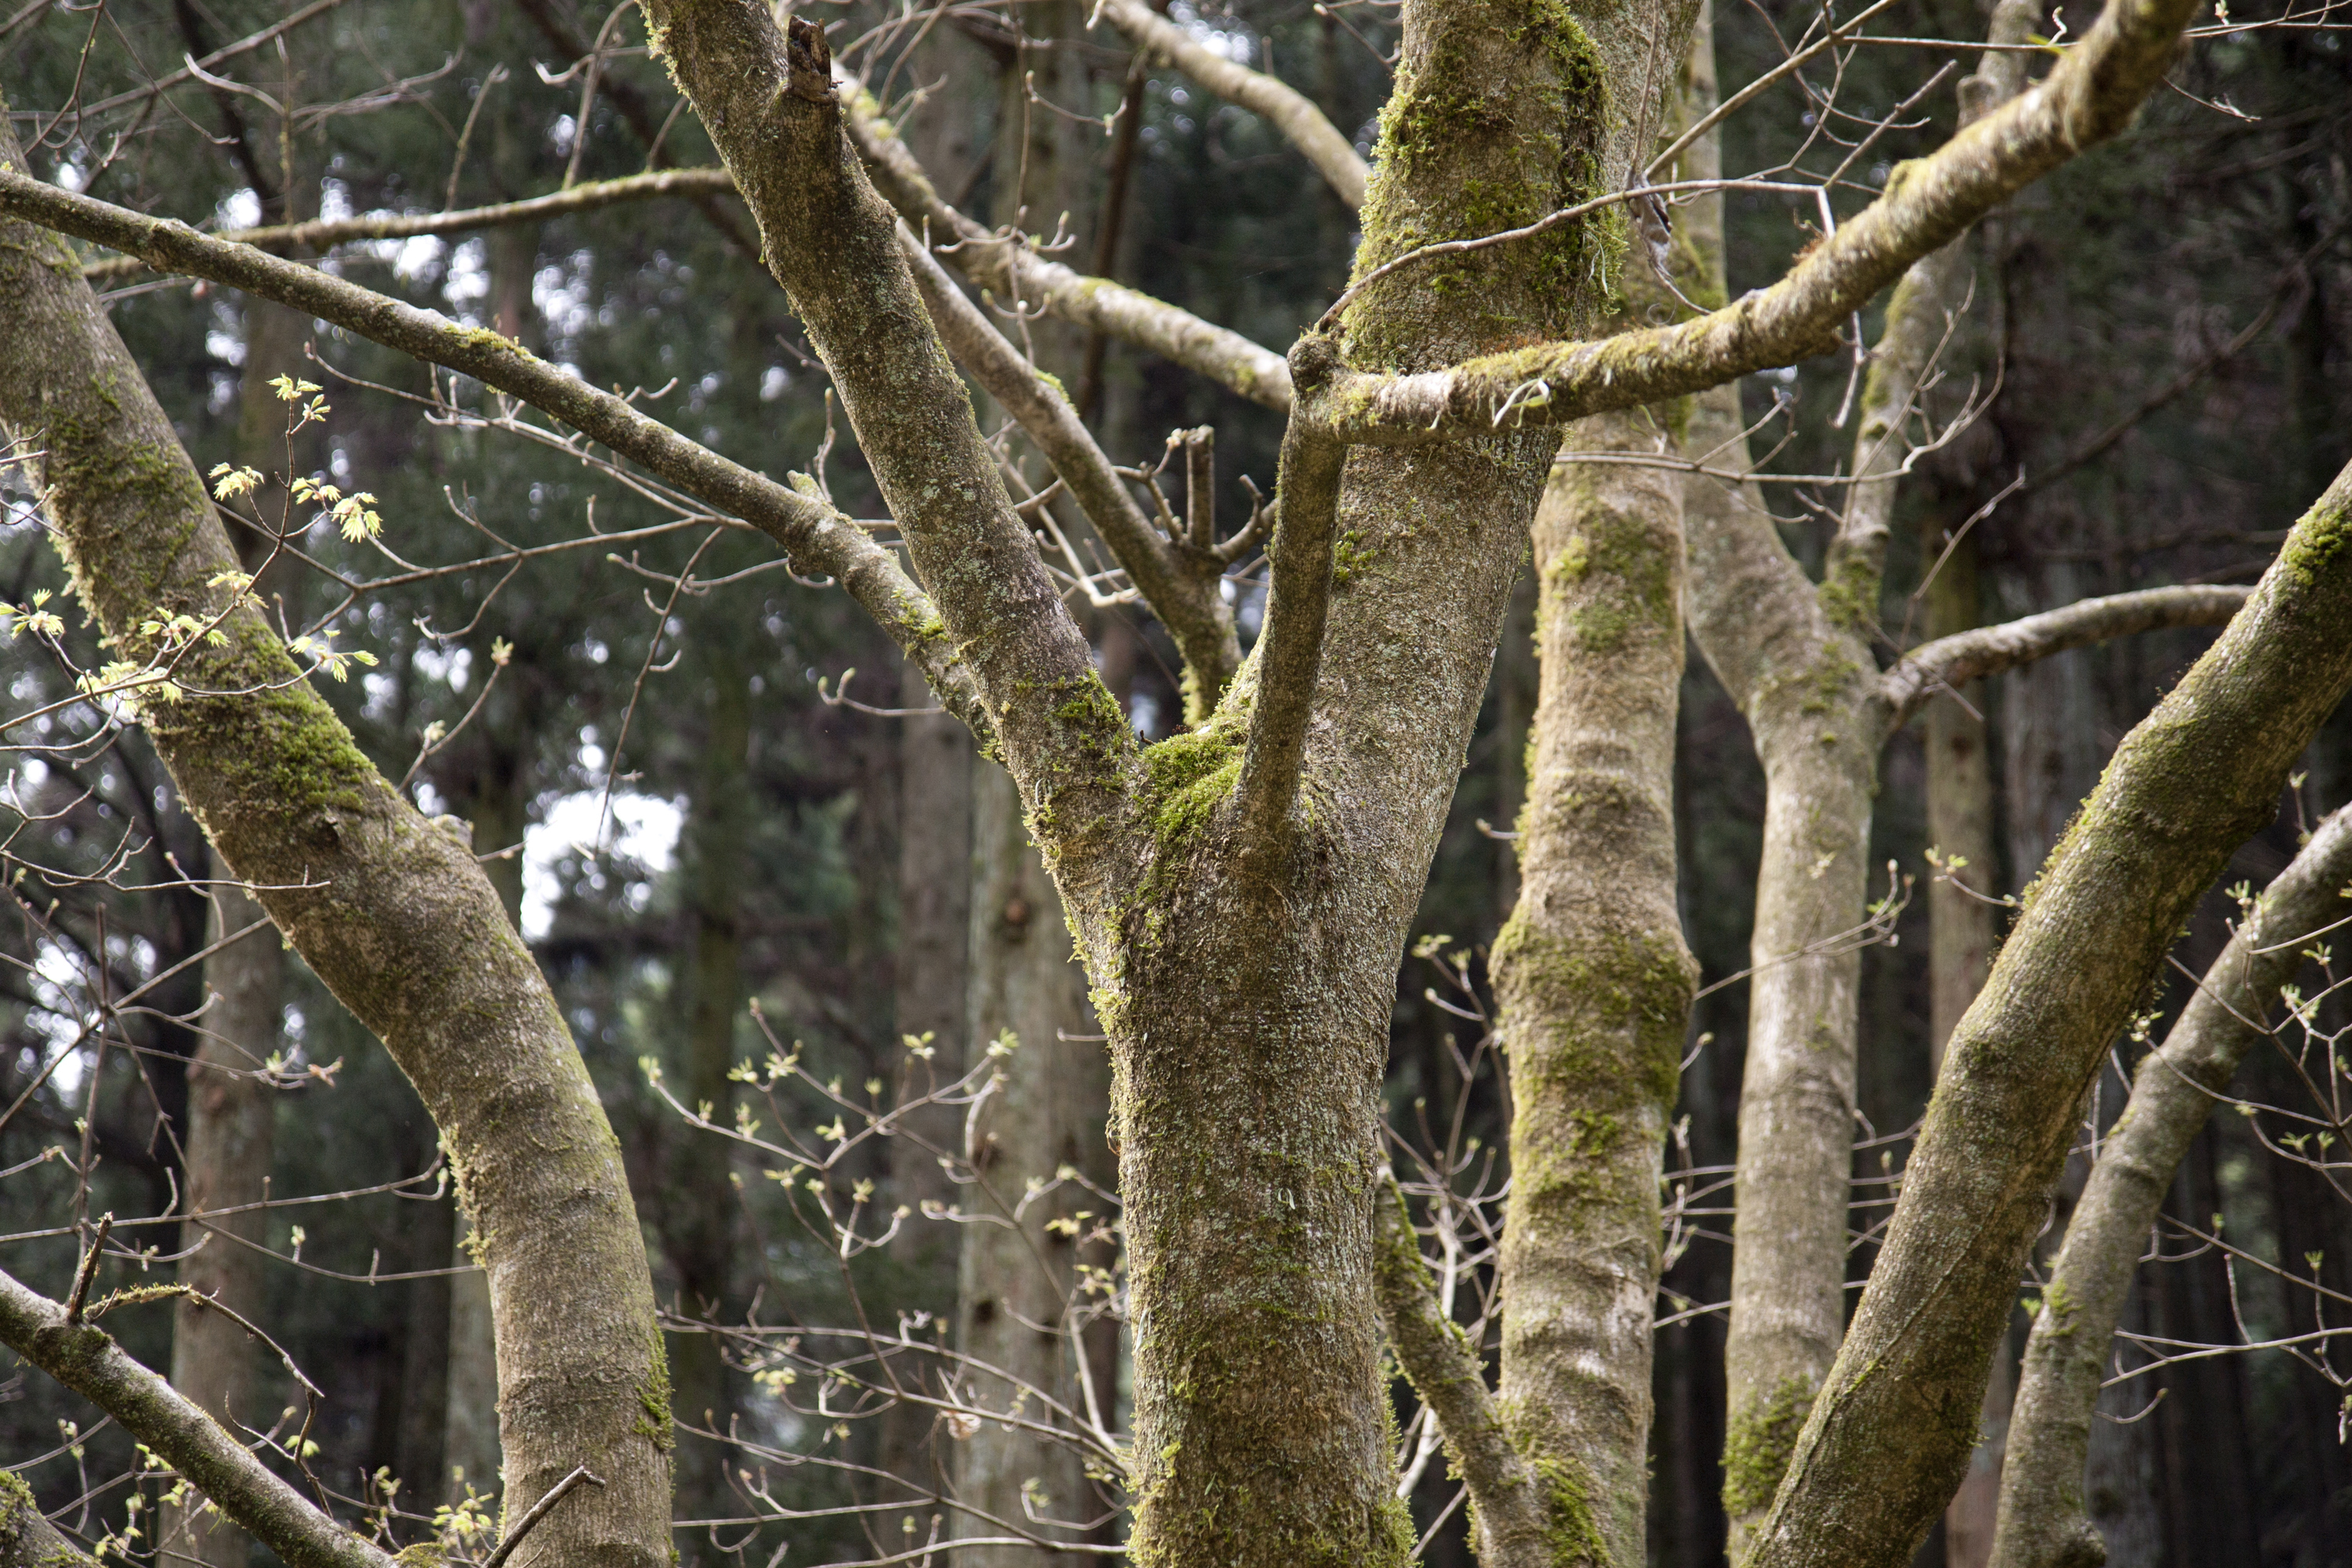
(325, 233)
(87, 1359)
(818, 540)
(1956, 660)
(1179, 581)
(1290, 652)
(1018, 274)
(1289, 111)
(2091, 96)
(1514, 1526)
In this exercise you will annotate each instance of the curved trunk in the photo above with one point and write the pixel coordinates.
(1891, 1434)
(389, 910)
(2045, 1521)
(1595, 980)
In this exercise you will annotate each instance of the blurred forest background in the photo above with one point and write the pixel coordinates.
(691, 822)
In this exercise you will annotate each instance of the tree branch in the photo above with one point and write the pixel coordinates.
(2184, 790)
(1016, 272)
(1177, 582)
(1289, 653)
(1920, 318)
(2042, 1520)
(1287, 109)
(2091, 96)
(1956, 660)
(817, 539)
(769, 100)
(324, 234)
(27, 1540)
(87, 1359)
(1506, 1493)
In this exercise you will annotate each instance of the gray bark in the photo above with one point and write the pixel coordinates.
(227, 1144)
(2045, 1520)
(1891, 1432)
(1017, 1280)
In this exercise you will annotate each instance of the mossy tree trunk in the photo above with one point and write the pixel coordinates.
(1595, 980)
(388, 910)
(2044, 1517)
(1891, 1432)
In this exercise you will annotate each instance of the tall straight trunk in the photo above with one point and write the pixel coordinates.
(1959, 812)
(1015, 1281)
(1593, 978)
(228, 1145)
(699, 1229)
(229, 1139)
(935, 867)
(389, 910)
(1961, 936)
(1018, 1282)
(2045, 1520)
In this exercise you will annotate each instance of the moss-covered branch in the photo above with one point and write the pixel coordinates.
(1892, 1430)
(86, 1359)
(818, 539)
(1963, 657)
(1014, 271)
(2090, 97)
(2044, 1522)
(1180, 582)
(1284, 107)
(1516, 1528)
(27, 1540)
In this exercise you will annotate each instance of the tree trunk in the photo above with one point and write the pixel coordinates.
(1018, 1286)
(935, 874)
(389, 910)
(228, 1143)
(1890, 1438)
(2044, 1517)
(1593, 980)
(701, 1199)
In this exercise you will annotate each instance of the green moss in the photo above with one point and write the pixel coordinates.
(1602, 1011)
(2325, 532)
(653, 1397)
(1757, 1446)
(1349, 556)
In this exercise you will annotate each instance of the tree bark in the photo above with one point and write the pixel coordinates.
(26, 1538)
(1890, 1435)
(2044, 1520)
(389, 910)
(1595, 987)
(699, 1234)
(935, 858)
(229, 1139)
(1018, 1283)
